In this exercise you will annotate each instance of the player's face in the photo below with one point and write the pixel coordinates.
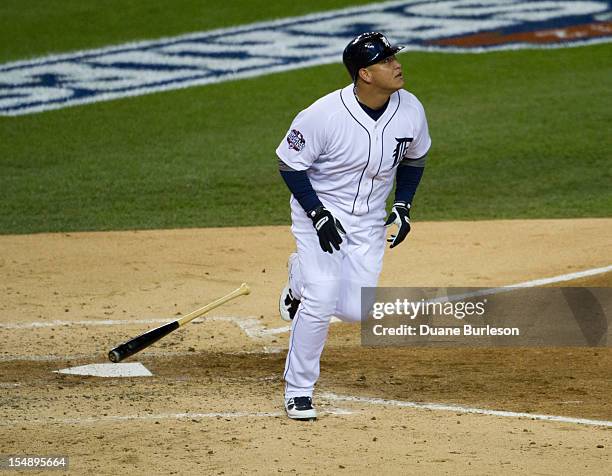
(387, 74)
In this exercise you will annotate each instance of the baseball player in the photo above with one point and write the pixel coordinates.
(340, 159)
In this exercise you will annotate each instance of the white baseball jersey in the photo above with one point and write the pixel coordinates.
(351, 159)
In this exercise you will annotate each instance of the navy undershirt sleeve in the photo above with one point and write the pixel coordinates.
(301, 188)
(406, 182)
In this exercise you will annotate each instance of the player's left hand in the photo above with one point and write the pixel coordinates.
(400, 216)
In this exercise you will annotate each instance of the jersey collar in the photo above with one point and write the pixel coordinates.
(350, 102)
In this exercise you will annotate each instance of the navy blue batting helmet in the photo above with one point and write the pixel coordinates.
(365, 50)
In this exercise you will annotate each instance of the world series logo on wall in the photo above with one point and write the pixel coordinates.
(456, 26)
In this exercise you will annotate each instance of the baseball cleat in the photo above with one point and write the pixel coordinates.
(300, 408)
(287, 304)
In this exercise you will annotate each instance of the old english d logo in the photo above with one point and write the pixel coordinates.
(400, 149)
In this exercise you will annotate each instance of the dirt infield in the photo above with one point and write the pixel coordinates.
(214, 402)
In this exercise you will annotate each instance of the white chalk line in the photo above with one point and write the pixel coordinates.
(563, 277)
(462, 409)
(532, 284)
(161, 416)
(88, 322)
(250, 326)
(144, 355)
(247, 323)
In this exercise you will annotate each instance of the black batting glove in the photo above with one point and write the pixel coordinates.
(400, 216)
(328, 228)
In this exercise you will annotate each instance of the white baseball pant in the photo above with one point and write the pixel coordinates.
(327, 285)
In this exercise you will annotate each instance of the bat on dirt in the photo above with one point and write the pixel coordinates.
(143, 341)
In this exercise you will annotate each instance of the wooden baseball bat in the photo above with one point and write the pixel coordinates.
(143, 341)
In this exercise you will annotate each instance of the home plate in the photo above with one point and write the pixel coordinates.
(132, 369)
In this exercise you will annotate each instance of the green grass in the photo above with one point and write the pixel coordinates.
(518, 134)
(30, 28)
(515, 135)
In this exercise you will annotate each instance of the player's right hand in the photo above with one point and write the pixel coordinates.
(328, 228)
